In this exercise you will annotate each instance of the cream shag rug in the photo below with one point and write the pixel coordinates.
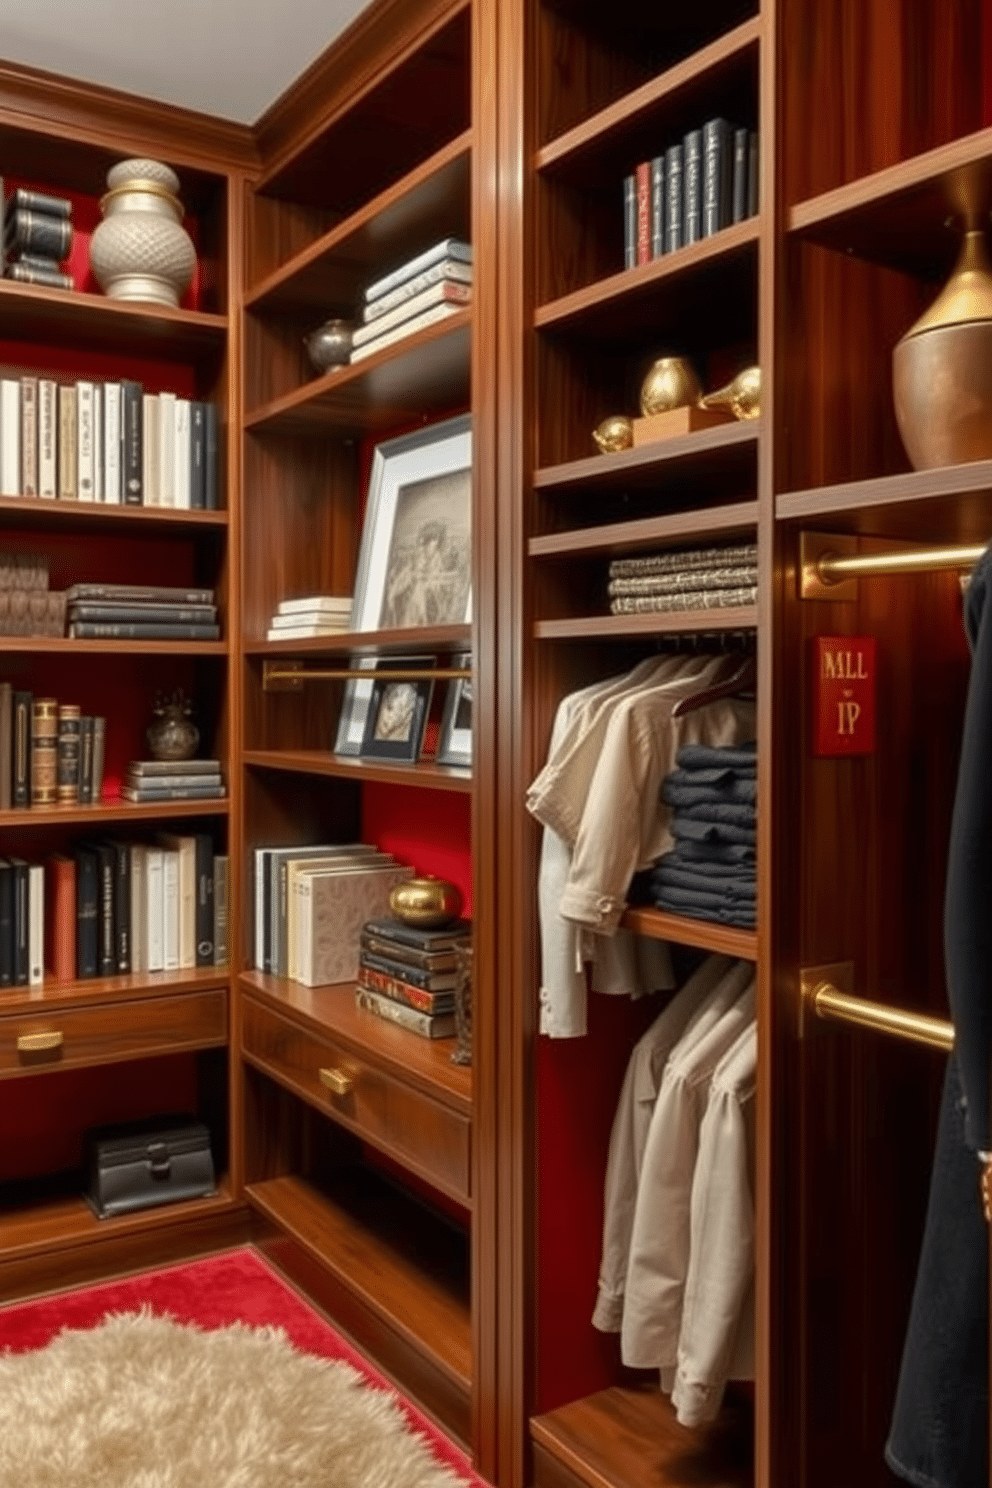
(144, 1402)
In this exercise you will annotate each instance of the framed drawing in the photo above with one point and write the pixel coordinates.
(454, 742)
(397, 712)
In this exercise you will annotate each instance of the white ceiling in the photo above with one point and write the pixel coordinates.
(228, 57)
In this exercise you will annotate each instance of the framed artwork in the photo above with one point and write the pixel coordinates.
(415, 560)
(454, 743)
(397, 713)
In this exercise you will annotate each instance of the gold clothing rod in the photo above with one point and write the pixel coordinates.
(918, 1028)
(833, 568)
(283, 676)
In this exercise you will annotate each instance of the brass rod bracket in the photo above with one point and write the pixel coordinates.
(282, 676)
(839, 974)
(813, 547)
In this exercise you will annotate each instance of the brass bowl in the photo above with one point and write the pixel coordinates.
(671, 383)
(942, 389)
(427, 902)
(614, 433)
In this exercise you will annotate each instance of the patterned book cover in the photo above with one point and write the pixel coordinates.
(332, 907)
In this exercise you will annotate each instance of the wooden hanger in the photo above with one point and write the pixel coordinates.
(742, 680)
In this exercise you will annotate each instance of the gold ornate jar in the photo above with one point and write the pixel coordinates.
(428, 902)
(670, 383)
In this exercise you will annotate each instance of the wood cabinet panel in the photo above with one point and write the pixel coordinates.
(127, 1029)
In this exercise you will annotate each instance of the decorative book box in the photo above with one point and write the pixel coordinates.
(145, 1163)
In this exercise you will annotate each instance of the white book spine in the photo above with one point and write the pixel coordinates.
(10, 437)
(167, 449)
(435, 294)
(170, 911)
(139, 917)
(408, 328)
(183, 453)
(447, 248)
(47, 437)
(455, 273)
(36, 925)
(302, 961)
(84, 440)
(187, 903)
(154, 910)
(112, 442)
(98, 456)
(29, 436)
(149, 449)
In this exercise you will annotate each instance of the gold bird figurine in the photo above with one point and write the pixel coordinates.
(742, 395)
(614, 433)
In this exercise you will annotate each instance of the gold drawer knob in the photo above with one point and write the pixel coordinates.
(37, 1043)
(336, 1080)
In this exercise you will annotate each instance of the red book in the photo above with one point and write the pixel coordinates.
(642, 179)
(60, 929)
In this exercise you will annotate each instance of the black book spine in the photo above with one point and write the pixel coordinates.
(211, 455)
(141, 631)
(50, 278)
(657, 206)
(630, 221)
(416, 976)
(37, 232)
(87, 913)
(42, 201)
(204, 899)
(85, 761)
(673, 198)
(739, 211)
(122, 905)
(692, 162)
(6, 924)
(107, 886)
(198, 456)
(21, 922)
(752, 174)
(131, 443)
(717, 178)
(266, 912)
(21, 777)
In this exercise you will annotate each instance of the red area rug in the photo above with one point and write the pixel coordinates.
(237, 1286)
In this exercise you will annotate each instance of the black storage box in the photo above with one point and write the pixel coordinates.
(148, 1162)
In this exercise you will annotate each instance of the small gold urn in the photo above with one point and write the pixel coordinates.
(942, 368)
(671, 382)
(428, 902)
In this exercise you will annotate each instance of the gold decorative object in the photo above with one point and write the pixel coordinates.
(614, 433)
(741, 396)
(942, 368)
(428, 902)
(462, 1052)
(671, 383)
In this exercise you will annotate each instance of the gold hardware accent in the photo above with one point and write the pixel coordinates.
(146, 188)
(289, 676)
(917, 1028)
(37, 1043)
(830, 564)
(337, 1081)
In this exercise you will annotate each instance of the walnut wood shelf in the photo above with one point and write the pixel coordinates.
(385, 1251)
(63, 646)
(949, 504)
(629, 1438)
(433, 640)
(56, 317)
(667, 622)
(650, 532)
(425, 774)
(425, 1063)
(721, 456)
(900, 216)
(706, 82)
(83, 992)
(708, 935)
(112, 814)
(425, 373)
(430, 202)
(64, 1222)
(38, 512)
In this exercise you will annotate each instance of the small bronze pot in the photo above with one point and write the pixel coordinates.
(428, 902)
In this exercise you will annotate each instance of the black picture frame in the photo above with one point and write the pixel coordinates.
(398, 709)
(454, 740)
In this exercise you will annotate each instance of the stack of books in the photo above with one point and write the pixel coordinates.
(409, 975)
(140, 612)
(308, 618)
(37, 237)
(173, 780)
(428, 288)
(51, 754)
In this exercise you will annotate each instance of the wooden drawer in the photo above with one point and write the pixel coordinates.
(66, 1038)
(421, 1133)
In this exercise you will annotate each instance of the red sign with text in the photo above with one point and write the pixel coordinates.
(843, 669)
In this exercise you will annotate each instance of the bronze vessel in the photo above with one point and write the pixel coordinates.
(428, 902)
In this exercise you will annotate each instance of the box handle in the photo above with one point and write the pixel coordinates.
(337, 1081)
(158, 1159)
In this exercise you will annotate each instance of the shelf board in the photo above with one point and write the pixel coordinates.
(725, 453)
(408, 641)
(431, 201)
(662, 622)
(111, 814)
(36, 511)
(358, 1239)
(715, 273)
(708, 935)
(898, 216)
(31, 312)
(63, 646)
(425, 774)
(666, 105)
(949, 504)
(424, 1063)
(649, 532)
(424, 373)
(92, 990)
(66, 1221)
(629, 1438)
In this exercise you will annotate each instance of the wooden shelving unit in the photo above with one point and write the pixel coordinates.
(588, 627)
(68, 1222)
(708, 935)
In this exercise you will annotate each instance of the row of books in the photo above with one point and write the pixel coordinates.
(423, 290)
(309, 617)
(136, 612)
(37, 237)
(690, 191)
(408, 975)
(310, 904)
(106, 441)
(51, 754)
(120, 907)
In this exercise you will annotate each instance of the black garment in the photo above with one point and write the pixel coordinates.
(720, 833)
(737, 812)
(678, 789)
(731, 885)
(718, 757)
(715, 852)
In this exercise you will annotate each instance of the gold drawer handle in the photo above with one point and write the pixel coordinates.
(37, 1043)
(337, 1081)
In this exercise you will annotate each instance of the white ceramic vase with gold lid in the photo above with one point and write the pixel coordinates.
(141, 251)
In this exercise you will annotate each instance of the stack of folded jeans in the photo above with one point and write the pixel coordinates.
(697, 579)
(710, 873)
